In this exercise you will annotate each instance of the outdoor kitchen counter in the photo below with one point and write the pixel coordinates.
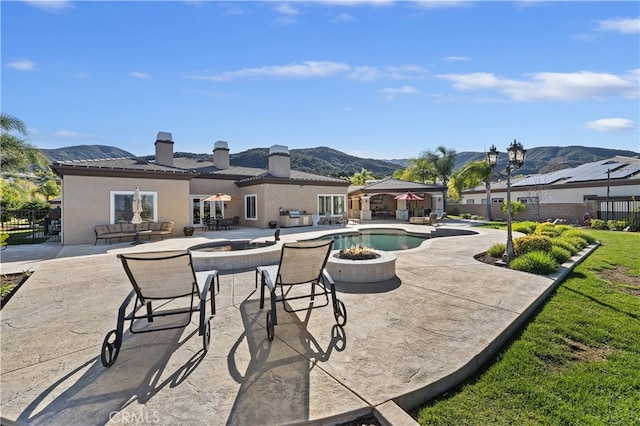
(287, 221)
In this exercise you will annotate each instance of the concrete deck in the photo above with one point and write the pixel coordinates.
(406, 339)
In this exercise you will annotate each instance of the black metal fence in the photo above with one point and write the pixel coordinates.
(31, 226)
(625, 210)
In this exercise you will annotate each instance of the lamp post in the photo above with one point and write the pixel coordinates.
(492, 158)
(516, 154)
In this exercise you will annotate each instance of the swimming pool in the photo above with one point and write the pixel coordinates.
(230, 245)
(377, 239)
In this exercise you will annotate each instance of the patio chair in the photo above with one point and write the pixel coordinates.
(300, 274)
(163, 278)
(441, 217)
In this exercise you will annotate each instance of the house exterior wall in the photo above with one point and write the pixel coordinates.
(273, 196)
(566, 203)
(551, 195)
(86, 203)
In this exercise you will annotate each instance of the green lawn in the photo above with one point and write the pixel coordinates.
(577, 362)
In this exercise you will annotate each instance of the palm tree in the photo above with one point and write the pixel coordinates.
(444, 160)
(418, 170)
(471, 175)
(361, 177)
(15, 153)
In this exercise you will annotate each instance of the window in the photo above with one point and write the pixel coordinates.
(330, 205)
(470, 201)
(250, 207)
(121, 206)
(497, 200)
(528, 200)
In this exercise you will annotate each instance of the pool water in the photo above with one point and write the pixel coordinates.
(232, 245)
(385, 240)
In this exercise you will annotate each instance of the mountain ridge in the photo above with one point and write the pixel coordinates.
(331, 162)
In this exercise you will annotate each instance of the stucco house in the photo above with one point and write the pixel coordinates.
(96, 192)
(604, 189)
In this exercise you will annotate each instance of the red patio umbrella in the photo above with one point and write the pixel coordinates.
(409, 196)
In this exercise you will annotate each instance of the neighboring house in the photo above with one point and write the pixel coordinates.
(96, 192)
(377, 199)
(605, 189)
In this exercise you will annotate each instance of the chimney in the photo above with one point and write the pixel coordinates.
(164, 149)
(279, 161)
(221, 155)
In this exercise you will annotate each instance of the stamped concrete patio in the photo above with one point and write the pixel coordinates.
(406, 340)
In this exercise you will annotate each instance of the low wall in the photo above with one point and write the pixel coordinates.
(571, 212)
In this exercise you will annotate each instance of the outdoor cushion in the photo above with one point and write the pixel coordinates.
(167, 226)
(102, 229)
(128, 227)
(114, 228)
(144, 226)
(155, 226)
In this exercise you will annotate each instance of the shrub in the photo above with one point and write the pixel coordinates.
(598, 224)
(536, 262)
(579, 242)
(616, 225)
(560, 255)
(523, 245)
(564, 228)
(465, 215)
(547, 229)
(524, 227)
(563, 243)
(497, 250)
(573, 232)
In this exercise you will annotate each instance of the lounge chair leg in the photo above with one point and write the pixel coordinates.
(149, 312)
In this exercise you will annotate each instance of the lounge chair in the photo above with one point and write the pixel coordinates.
(161, 277)
(300, 274)
(441, 217)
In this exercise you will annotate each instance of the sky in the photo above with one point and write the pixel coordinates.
(375, 79)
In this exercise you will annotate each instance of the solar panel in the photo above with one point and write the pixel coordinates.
(625, 172)
(594, 171)
(545, 179)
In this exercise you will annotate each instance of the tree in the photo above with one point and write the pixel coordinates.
(16, 155)
(443, 160)
(361, 177)
(471, 175)
(50, 189)
(418, 170)
(516, 207)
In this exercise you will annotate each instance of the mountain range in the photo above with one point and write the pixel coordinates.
(330, 162)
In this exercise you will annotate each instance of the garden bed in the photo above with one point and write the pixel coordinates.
(10, 283)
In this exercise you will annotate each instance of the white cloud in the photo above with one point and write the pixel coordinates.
(22, 65)
(404, 72)
(343, 17)
(308, 69)
(70, 134)
(620, 25)
(140, 75)
(365, 73)
(391, 93)
(439, 4)
(287, 9)
(357, 2)
(50, 5)
(610, 125)
(457, 58)
(552, 86)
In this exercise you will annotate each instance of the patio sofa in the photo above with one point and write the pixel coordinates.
(424, 220)
(130, 230)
